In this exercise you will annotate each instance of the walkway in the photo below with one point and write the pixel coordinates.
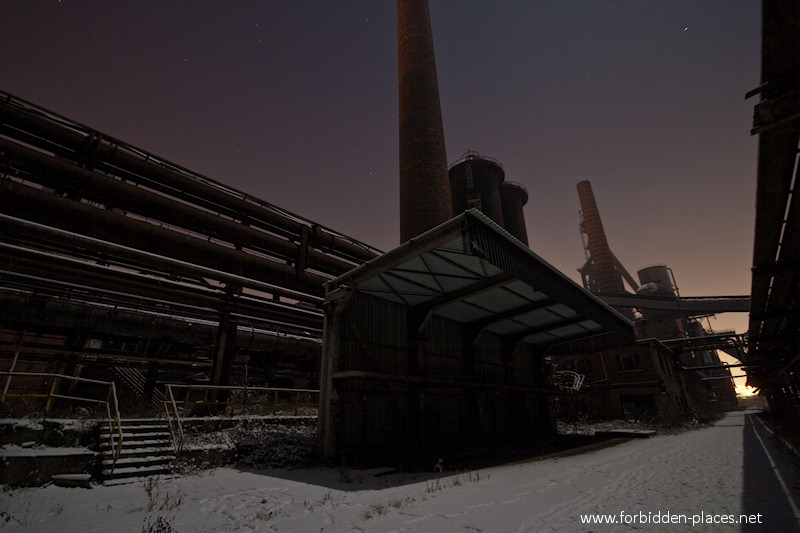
(705, 480)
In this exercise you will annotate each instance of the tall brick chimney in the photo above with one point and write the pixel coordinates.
(424, 186)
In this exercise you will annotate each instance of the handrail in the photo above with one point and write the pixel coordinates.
(110, 402)
(245, 388)
(177, 444)
(176, 434)
(112, 392)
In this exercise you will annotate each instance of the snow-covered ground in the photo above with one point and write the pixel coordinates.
(721, 472)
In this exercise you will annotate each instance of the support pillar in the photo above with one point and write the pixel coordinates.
(224, 345)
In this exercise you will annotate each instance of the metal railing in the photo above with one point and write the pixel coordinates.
(567, 380)
(173, 421)
(110, 402)
(238, 399)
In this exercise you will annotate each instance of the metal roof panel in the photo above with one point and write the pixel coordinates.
(470, 271)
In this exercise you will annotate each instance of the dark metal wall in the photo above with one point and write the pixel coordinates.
(409, 397)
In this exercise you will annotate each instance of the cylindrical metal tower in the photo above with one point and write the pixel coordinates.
(514, 196)
(424, 188)
(656, 281)
(475, 183)
(608, 280)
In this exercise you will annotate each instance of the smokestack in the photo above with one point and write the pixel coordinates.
(608, 280)
(424, 187)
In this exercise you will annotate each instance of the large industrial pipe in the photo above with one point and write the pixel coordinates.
(102, 284)
(81, 183)
(74, 141)
(608, 280)
(424, 188)
(89, 280)
(64, 315)
(52, 210)
(10, 226)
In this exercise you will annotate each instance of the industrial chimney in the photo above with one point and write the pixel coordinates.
(606, 277)
(424, 188)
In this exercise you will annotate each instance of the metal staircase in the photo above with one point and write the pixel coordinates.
(146, 451)
(134, 380)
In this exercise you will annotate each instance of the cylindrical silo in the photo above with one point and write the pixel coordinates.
(607, 279)
(475, 183)
(657, 281)
(514, 196)
(424, 188)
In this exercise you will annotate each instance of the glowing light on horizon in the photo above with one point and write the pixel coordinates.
(746, 391)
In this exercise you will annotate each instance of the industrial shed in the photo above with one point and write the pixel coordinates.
(440, 346)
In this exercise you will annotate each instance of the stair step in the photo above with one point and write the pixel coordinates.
(149, 460)
(130, 443)
(105, 447)
(132, 471)
(167, 455)
(134, 437)
(146, 450)
(145, 435)
(140, 428)
(143, 421)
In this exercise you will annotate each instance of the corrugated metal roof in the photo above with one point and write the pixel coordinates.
(471, 271)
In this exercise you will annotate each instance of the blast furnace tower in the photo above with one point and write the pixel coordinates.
(606, 279)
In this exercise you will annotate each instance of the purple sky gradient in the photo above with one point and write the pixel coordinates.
(295, 102)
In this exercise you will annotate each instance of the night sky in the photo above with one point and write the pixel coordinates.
(295, 102)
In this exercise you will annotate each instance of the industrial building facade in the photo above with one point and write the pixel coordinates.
(439, 346)
(636, 382)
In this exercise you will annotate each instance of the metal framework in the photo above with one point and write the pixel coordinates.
(774, 350)
(101, 241)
